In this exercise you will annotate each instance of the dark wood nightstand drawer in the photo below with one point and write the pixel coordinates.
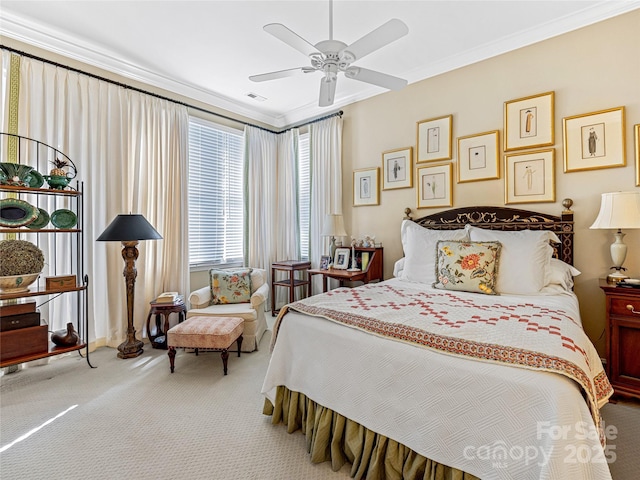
(620, 306)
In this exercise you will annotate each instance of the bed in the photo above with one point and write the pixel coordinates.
(451, 369)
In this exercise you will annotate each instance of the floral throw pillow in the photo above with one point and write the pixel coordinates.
(467, 266)
(230, 286)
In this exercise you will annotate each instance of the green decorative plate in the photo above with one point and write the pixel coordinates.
(36, 180)
(41, 221)
(16, 213)
(63, 218)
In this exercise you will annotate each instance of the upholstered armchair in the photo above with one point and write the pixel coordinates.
(252, 312)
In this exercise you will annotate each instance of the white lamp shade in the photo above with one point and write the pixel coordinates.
(333, 226)
(619, 210)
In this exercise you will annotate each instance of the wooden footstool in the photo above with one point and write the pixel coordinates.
(212, 333)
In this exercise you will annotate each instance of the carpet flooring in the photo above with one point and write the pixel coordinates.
(134, 419)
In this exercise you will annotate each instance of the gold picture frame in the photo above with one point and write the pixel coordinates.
(366, 187)
(479, 157)
(397, 168)
(594, 140)
(434, 140)
(435, 186)
(529, 122)
(529, 177)
(636, 128)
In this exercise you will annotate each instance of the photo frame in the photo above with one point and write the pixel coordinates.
(435, 186)
(366, 187)
(636, 129)
(479, 157)
(529, 122)
(529, 177)
(434, 140)
(594, 140)
(397, 168)
(325, 261)
(341, 259)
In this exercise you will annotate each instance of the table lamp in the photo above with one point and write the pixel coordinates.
(333, 227)
(618, 210)
(129, 229)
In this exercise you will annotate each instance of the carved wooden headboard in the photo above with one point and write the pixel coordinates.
(509, 219)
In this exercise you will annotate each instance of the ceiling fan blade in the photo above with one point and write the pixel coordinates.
(290, 72)
(290, 38)
(327, 90)
(372, 41)
(375, 78)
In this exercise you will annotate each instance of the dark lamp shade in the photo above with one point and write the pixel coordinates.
(127, 228)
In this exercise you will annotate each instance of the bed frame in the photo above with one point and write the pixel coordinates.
(508, 219)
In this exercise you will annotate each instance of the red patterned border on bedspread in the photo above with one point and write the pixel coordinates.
(486, 329)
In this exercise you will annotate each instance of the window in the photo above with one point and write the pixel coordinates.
(215, 194)
(304, 193)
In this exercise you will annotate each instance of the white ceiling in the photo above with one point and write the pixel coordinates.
(206, 50)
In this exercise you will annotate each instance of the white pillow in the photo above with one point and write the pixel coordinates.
(524, 259)
(561, 273)
(419, 244)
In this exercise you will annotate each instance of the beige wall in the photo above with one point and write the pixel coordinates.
(591, 69)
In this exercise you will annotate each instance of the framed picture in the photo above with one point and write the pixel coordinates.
(325, 260)
(528, 122)
(434, 139)
(594, 140)
(529, 177)
(636, 129)
(341, 260)
(397, 168)
(434, 186)
(366, 187)
(479, 157)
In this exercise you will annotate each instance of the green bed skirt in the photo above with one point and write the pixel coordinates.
(332, 437)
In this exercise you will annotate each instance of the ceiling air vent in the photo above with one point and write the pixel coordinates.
(255, 96)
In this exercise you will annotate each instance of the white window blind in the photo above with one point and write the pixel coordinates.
(304, 193)
(215, 194)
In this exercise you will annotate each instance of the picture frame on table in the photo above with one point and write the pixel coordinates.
(435, 186)
(636, 129)
(479, 157)
(366, 187)
(529, 177)
(529, 122)
(397, 168)
(434, 140)
(594, 140)
(341, 259)
(325, 261)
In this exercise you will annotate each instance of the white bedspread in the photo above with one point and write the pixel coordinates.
(491, 420)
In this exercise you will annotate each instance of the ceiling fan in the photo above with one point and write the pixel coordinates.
(333, 56)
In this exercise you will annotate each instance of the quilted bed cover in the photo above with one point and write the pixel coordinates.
(493, 419)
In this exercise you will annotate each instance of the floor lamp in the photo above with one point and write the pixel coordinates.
(129, 229)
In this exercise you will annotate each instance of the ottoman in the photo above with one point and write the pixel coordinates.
(212, 333)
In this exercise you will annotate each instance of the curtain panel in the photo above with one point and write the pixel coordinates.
(131, 152)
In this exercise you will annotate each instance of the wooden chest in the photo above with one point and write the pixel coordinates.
(22, 320)
(23, 341)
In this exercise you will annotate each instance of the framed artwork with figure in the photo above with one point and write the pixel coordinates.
(528, 122)
(434, 139)
(397, 168)
(479, 157)
(529, 177)
(435, 186)
(366, 187)
(594, 140)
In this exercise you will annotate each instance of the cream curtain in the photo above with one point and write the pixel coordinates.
(326, 184)
(272, 230)
(131, 152)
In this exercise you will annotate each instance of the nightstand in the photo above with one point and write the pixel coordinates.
(623, 338)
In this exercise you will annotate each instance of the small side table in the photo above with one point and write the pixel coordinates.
(291, 266)
(160, 310)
